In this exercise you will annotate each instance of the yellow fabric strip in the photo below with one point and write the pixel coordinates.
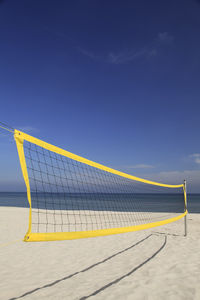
(57, 236)
(20, 148)
(83, 160)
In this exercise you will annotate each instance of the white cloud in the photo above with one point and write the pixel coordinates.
(123, 57)
(120, 57)
(146, 52)
(195, 157)
(165, 38)
(140, 166)
(177, 177)
(126, 56)
(88, 53)
(129, 55)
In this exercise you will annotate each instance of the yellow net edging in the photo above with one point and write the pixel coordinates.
(56, 236)
(20, 137)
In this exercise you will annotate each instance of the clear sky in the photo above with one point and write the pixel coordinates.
(117, 82)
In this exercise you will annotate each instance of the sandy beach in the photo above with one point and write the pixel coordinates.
(158, 263)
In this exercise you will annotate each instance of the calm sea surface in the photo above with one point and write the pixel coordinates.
(166, 202)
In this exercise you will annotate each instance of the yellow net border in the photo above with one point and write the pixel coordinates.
(20, 137)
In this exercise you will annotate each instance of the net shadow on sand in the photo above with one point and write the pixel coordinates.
(127, 274)
(94, 265)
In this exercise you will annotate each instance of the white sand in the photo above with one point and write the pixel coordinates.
(43, 269)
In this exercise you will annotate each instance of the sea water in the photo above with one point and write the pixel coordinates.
(95, 201)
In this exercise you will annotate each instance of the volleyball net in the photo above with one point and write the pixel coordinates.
(71, 197)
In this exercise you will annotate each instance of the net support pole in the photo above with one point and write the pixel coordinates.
(185, 198)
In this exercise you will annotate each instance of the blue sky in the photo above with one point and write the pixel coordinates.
(114, 81)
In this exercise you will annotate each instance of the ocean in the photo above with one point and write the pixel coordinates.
(152, 202)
